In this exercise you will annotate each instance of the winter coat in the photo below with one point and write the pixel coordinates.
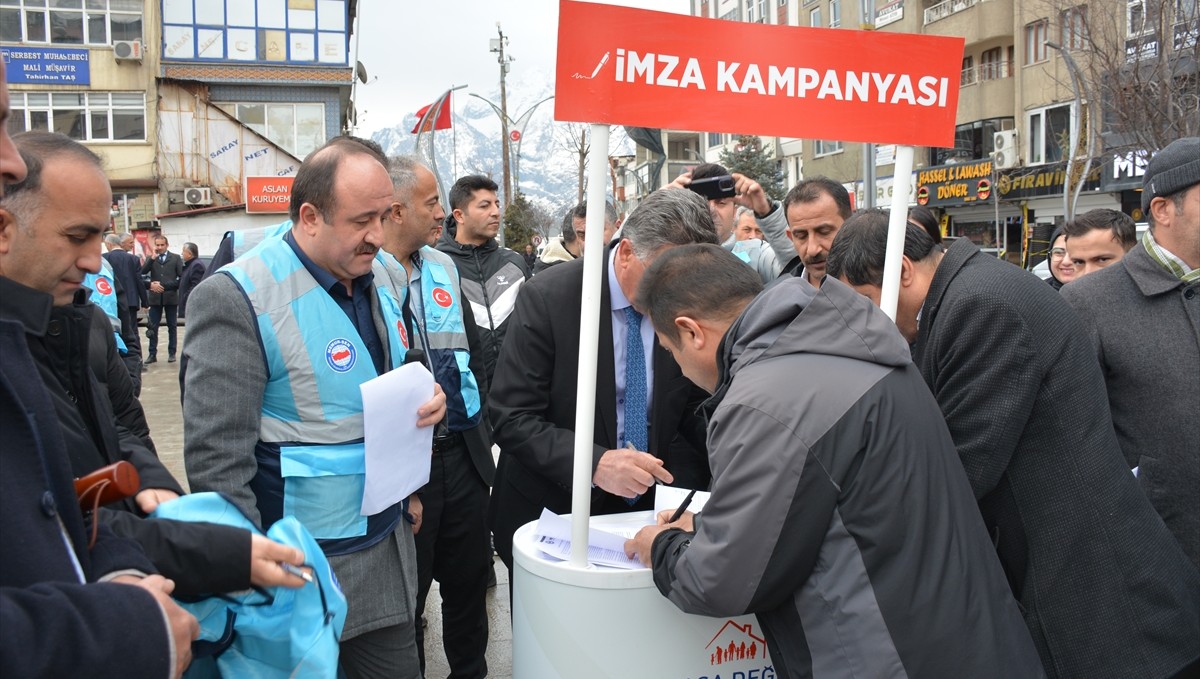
(840, 514)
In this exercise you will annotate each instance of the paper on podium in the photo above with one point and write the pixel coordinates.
(670, 497)
(553, 537)
(398, 451)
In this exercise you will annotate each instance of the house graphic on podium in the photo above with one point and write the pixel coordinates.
(734, 643)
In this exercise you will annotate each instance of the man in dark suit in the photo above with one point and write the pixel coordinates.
(533, 395)
(1106, 591)
(165, 270)
(127, 271)
(193, 273)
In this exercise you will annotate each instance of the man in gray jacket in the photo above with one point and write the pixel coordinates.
(1143, 315)
(839, 514)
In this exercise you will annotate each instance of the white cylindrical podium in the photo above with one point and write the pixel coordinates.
(599, 623)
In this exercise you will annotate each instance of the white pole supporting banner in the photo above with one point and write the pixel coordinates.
(589, 334)
(897, 224)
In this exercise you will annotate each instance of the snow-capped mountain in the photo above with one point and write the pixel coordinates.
(548, 170)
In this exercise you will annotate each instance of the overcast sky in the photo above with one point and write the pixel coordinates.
(416, 49)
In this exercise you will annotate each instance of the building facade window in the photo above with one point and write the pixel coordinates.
(731, 15)
(1036, 35)
(814, 17)
(299, 129)
(1048, 133)
(823, 147)
(835, 13)
(1073, 23)
(714, 139)
(756, 11)
(972, 141)
(84, 116)
(70, 22)
(1135, 18)
(993, 65)
(968, 71)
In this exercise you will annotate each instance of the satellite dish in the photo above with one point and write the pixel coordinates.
(361, 72)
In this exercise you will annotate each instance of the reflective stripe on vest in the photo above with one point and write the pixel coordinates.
(104, 295)
(441, 319)
(245, 241)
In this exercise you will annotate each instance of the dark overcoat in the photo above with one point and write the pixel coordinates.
(1106, 590)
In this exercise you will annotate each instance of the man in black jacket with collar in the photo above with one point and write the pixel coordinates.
(57, 605)
(58, 213)
(166, 271)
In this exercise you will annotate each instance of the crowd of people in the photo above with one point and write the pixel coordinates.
(1003, 482)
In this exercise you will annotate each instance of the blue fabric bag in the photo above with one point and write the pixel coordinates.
(279, 632)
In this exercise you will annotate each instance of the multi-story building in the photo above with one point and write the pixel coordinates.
(185, 99)
(1001, 183)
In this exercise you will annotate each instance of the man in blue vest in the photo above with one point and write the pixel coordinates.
(278, 345)
(452, 534)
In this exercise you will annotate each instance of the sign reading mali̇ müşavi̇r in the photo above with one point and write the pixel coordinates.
(653, 69)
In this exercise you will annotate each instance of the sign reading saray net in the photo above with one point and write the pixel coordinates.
(653, 69)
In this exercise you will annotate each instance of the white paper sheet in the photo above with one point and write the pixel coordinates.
(670, 497)
(605, 548)
(398, 452)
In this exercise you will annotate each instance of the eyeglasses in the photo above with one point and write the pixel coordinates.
(1058, 253)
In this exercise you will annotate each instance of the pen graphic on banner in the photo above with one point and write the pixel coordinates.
(682, 507)
(595, 71)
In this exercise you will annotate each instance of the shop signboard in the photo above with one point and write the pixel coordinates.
(1123, 171)
(955, 184)
(46, 65)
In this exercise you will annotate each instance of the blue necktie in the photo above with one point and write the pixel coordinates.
(635, 381)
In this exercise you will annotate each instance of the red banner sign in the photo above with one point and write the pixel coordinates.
(268, 194)
(653, 69)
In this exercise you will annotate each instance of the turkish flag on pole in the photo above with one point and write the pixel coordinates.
(443, 116)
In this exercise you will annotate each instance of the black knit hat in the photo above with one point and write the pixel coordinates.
(1173, 169)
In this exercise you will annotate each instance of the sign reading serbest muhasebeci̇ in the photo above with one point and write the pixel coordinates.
(47, 66)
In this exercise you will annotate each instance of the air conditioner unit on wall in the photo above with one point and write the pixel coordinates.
(1005, 155)
(200, 195)
(127, 50)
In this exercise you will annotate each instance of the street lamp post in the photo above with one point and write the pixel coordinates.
(1071, 198)
(516, 134)
(497, 46)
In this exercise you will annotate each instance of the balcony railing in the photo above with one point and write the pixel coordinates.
(995, 70)
(989, 70)
(948, 7)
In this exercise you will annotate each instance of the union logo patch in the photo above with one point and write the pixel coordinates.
(103, 286)
(340, 354)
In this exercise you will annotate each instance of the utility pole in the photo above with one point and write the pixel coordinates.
(498, 45)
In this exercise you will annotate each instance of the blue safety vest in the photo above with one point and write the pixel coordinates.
(311, 457)
(438, 320)
(104, 295)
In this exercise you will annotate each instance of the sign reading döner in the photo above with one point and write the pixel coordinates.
(652, 69)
